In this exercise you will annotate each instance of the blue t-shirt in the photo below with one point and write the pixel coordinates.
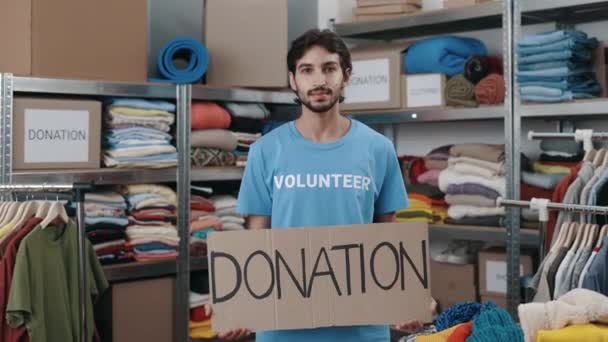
(299, 183)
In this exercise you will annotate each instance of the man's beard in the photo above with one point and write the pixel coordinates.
(319, 108)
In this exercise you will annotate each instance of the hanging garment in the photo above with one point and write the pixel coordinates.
(47, 259)
(596, 278)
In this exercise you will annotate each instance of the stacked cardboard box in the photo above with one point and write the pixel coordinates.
(383, 9)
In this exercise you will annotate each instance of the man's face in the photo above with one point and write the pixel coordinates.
(318, 80)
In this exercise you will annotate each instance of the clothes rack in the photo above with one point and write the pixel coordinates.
(78, 191)
(543, 205)
(584, 135)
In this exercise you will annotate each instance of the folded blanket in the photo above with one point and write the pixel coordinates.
(99, 236)
(224, 202)
(495, 168)
(561, 157)
(474, 200)
(550, 169)
(472, 189)
(104, 212)
(449, 177)
(167, 240)
(491, 153)
(204, 224)
(108, 244)
(118, 118)
(162, 190)
(140, 151)
(137, 112)
(220, 139)
(490, 90)
(425, 189)
(486, 221)
(150, 164)
(460, 92)
(567, 146)
(541, 180)
(207, 115)
(442, 54)
(143, 104)
(201, 157)
(478, 67)
(104, 198)
(247, 110)
(473, 169)
(134, 232)
(460, 211)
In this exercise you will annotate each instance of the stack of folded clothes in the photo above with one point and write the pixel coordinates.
(212, 143)
(202, 219)
(225, 210)
(557, 66)
(152, 232)
(472, 182)
(137, 134)
(200, 317)
(106, 222)
(248, 122)
(427, 204)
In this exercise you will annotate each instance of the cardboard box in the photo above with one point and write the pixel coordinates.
(332, 276)
(453, 283)
(56, 134)
(247, 42)
(376, 78)
(103, 40)
(493, 271)
(461, 3)
(432, 5)
(501, 301)
(423, 90)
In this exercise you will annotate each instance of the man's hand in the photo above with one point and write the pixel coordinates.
(409, 327)
(231, 335)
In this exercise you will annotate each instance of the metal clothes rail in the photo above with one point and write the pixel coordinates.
(78, 190)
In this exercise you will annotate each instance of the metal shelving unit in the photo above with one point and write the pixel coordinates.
(182, 175)
(430, 115)
(565, 110)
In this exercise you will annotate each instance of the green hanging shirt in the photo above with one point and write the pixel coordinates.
(44, 293)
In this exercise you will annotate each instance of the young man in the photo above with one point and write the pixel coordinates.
(322, 169)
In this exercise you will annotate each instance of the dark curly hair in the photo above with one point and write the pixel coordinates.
(326, 39)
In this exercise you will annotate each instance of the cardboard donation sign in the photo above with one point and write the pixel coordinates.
(317, 277)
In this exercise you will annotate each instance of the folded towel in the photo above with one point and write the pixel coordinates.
(207, 115)
(220, 139)
(550, 169)
(448, 177)
(430, 177)
(472, 189)
(491, 153)
(182, 48)
(474, 200)
(541, 180)
(460, 211)
(490, 90)
(140, 151)
(460, 92)
(143, 104)
(478, 67)
(473, 169)
(495, 168)
(139, 112)
(443, 54)
(248, 110)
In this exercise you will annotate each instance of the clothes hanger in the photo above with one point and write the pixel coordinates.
(601, 236)
(29, 208)
(56, 211)
(43, 209)
(586, 232)
(592, 235)
(589, 155)
(572, 229)
(10, 213)
(599, 158)
(561, 236)
(578, 237)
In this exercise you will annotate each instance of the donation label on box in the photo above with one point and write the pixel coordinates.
(370, 82)
(56, 136)
(316, 277)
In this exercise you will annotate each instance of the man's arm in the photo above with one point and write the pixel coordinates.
(386, 217)
(258, 222)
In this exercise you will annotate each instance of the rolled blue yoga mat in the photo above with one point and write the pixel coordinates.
(196, 55)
